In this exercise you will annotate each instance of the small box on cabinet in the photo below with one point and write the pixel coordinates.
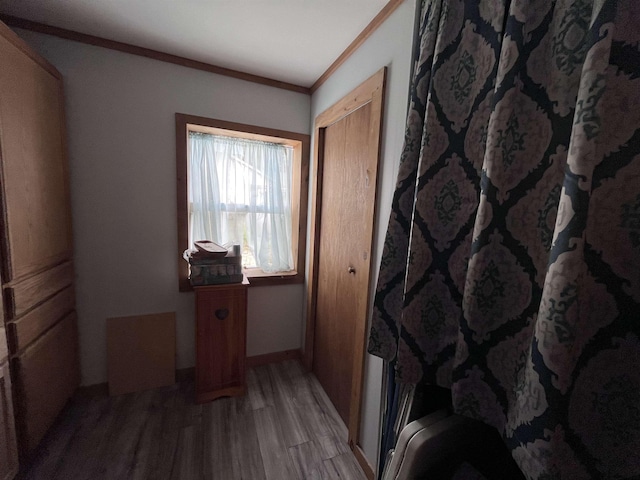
(214, 269)
(218, 271)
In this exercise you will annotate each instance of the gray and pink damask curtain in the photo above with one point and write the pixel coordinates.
(511, 268)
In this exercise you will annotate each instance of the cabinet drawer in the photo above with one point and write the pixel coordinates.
(24, 295)
(30, 326)
(46, 377)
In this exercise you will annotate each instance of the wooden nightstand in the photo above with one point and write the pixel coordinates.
(221, 331)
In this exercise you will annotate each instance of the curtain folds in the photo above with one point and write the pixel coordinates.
(511, 266)
(240, 192)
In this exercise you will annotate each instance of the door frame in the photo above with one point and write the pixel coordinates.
(370, 91)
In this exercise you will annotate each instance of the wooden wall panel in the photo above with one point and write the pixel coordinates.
(46, 376)
(141, 352)
(35, 196)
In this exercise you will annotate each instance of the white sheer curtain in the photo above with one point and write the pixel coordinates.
(240, 192)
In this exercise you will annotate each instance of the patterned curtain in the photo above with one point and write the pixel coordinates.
(511, 267)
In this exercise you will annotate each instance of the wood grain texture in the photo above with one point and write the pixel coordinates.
(341, 467)
(141, 352)
(30, 326)
(329, 416)
(188, 462)
(364, 463)
(147, 52)
(8, 445)
(369, 201)
(307, 461)
(286, 399)
(359, 96)
(274, 357)
(35, 243)
(272, 445)
(260, 387)
(336, 307)
(247, 460)
(314, 241)
(10, 36)
(371, 90)
(4, 349)
(347, 156)
(163, 434)
(221, 331)
(124, 427)
(47, 375)
(378, 20)
(35, 186)
(26, 294)
(218, 424)
(188, 374)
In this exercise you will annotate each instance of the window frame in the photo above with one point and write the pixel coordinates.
(300, 190)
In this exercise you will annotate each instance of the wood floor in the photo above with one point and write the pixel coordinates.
(285, 428)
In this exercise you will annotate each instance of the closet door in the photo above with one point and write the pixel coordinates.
(35, 196)
(36, 240)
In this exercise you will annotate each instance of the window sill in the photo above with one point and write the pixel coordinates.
(258, 278)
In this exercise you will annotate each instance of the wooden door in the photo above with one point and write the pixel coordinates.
(343, 253)
(35, 184)
(347, 151)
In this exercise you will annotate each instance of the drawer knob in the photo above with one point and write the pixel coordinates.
(222, 313)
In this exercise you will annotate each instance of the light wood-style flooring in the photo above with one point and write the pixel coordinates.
(284, 428)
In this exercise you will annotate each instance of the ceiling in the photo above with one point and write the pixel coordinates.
(292, 41)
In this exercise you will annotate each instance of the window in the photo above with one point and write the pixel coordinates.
(247, 185)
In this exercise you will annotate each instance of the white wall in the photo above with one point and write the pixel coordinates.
(120, 115)
(390, 46)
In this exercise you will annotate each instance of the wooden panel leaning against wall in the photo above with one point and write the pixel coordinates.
(38, 304)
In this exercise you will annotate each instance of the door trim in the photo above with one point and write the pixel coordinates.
(371, 91)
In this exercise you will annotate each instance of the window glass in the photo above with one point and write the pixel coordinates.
(240, 193)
